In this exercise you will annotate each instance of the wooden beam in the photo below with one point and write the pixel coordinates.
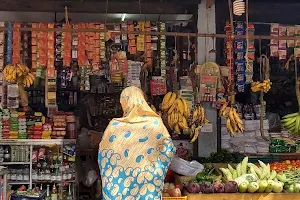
(96, 7)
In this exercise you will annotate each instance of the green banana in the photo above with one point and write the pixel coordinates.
(297, 126)
(290, 115)
(289, 121)
(293, 129)
(289, 126)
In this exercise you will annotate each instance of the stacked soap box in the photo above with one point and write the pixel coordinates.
(248, 142)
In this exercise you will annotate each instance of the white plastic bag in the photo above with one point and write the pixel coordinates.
(90, 175)
(186, 168)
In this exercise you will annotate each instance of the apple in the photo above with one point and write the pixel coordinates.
(243, 187)
(253, 187)
(262, 186)
(278, 187)
(270, 186)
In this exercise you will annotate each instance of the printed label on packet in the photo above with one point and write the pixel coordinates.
(241, 87)
(240, 66)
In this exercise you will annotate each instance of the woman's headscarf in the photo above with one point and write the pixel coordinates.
(135, 152)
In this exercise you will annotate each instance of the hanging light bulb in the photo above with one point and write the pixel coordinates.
(238, 7)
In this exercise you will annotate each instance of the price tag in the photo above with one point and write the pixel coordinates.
(207, 128)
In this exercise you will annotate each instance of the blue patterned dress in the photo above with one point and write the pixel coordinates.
(135, 152)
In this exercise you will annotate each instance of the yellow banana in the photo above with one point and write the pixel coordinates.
(180, 106)
(195, 114)
(202, 115)
(183, 124)
(170, 102)
(170, 122)
(224, 106)
(166, 98)
(196, 134)
(236, 116)
(229, 127)
(174, 105)
(176, 129)
(186, 108)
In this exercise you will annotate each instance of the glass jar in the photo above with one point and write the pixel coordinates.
(20, 175)
(13, 175)
(26, 175)
(35, 176)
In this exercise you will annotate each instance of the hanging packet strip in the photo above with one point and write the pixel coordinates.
(51, 48)
(16, 57)
(274, 31)
(249, 78)
(9, 43)
(25, 35)
(240, 78)
(2, 42)
(249, 67)
(163, 50)
(239, 44)
(291, 33)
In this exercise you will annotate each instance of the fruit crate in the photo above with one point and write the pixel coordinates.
(174, 198)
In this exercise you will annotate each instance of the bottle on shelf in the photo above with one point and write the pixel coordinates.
(6, 154)
(48, 196)
(54, 193)
(70, 196)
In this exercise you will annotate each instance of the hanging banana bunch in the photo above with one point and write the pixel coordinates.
(177, 110)
(15, 72)
(197, 120)
(234, 124)
(263, 86)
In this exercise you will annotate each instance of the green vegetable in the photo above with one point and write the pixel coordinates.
(244, 165)
(238, 170)
(234, 174)
(252, 171)
(256, 169)
(230, 168)
(227, 173)
(262, 164)
(281, 177)
(272, 175)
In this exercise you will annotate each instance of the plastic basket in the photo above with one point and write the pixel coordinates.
(174, 198)
(14, 196)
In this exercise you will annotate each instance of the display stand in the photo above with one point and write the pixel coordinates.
(246, 196)
(40, 142)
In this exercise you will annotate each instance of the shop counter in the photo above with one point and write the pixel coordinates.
(247, 196)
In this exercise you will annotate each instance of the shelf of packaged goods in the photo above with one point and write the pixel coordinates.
(37, 142)
(66, 181)
(15, 163)
(18, 183)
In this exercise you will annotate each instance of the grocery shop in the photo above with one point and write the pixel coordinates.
(195, 99)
